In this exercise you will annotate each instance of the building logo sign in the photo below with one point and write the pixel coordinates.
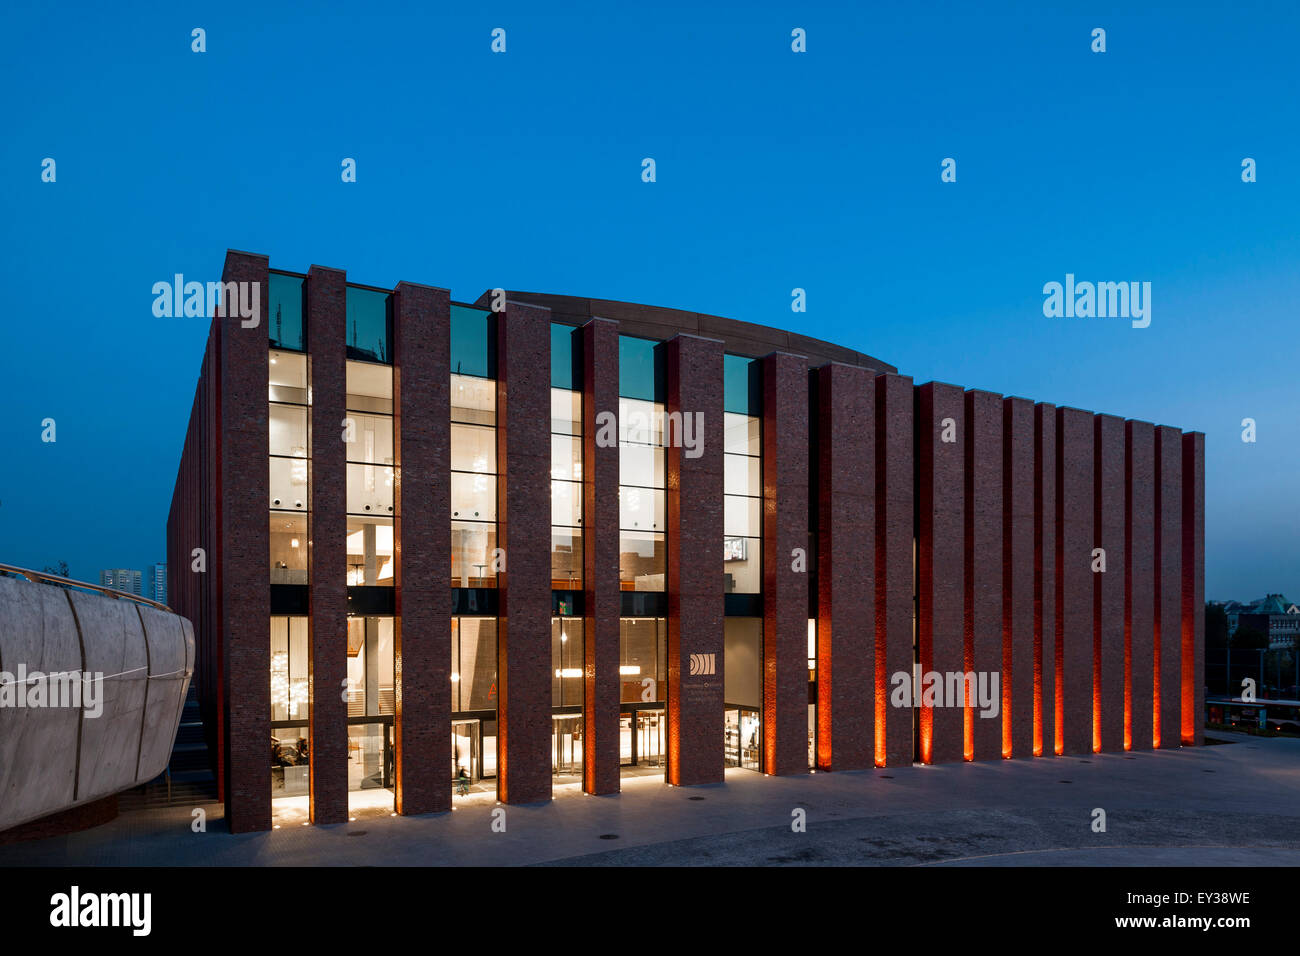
(703, 664)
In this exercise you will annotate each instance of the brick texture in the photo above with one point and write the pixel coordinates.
(422, 636)
(1018, 577)
(693, 376)
(327, 537)
(846, 620)
(602, 598)
(1169, 579)
(1045, 590)
(785, 591)
(1108, 587)
(982, 637)
(940, 507)
(1139, 581)
(524, 532)
(1193, 590)
(242, 559)
(1074, 543)
(895, 742)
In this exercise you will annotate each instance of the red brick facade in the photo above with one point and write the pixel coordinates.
(421, 402)
(600, 554)
(955, 532)
(693, 376)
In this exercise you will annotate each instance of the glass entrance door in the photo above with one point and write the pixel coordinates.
(465, 749)
(626, 741)
(650, 726)
(742, 738)
(566, 743)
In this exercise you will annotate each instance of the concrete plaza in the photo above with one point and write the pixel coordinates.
(1229, 805)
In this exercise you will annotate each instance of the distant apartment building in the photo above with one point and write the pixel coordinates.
(122, 579)
(1272, 614)
(158, 581)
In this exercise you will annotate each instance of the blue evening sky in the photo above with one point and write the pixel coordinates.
(776, 170)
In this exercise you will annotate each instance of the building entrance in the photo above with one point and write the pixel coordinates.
(566, 743)
(743, 736)
(465, 749)
(642, 737)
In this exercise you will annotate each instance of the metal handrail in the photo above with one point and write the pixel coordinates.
(40, 577)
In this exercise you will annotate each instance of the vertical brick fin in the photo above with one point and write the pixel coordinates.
(1193, 592)
(1018, 577)
(602, 597)
(849, 714)
(940, 508)
(524, 533)
(241, 598)
(1045, 591)
(895, 565)
(693, 376)
(982, 638)
(1108, 588)
(1074, 544)
(785, 590)
(422, 637)
(1139, 580)
(1169, 582)
(327, 557)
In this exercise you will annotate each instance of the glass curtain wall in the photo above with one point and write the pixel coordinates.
(289, 706)
(643, 679)
(566, 462)
(290, 466)
(371, 473)
(566, 696)
(742, 546)
(473, 452)
(371, 694)
(473, 698)
(743, 691)
(641, 466)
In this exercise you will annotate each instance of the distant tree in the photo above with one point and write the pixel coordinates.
(1248, 637)
(60, 570)
(1280, 665)
(1216, 626)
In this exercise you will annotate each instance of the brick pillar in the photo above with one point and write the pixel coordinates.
(1169, 582)
(602, 596)
(1193, 566)
(940, 507)
(422, 635)
(1139, 580)
(895, 558)
(693, 375)
(240, 585)
(1017, 577)
(524, 533)
(207, 524)
(785, 591)
(982, 544)
(327, 557)
(1108, 587)
(846, 624)
(1074, 543)
(1045, 590)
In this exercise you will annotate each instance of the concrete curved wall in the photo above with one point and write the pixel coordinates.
(120, 734)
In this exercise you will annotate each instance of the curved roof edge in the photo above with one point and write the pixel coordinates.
(657, 322)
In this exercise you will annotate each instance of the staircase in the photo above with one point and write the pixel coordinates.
(191, 781)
